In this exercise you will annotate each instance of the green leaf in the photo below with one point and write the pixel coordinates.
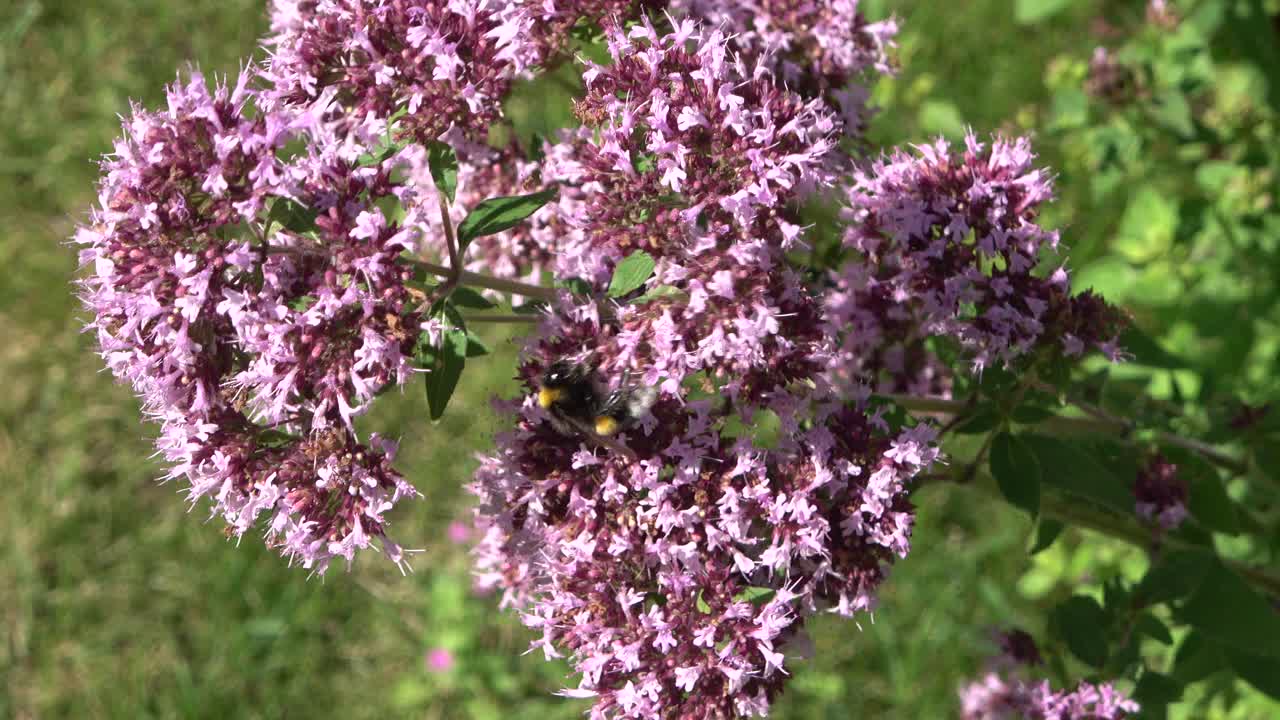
(577, 286)
(1226, 608)
(530, 308)
(981, 419)
(1017, 472)
(273, 438)
(1075, 471)
(1172, 111)
(1175, 575)
(1154, 688)
(302, 303)
(1212, 506)
(1081, 624)
(1027, 12)
(631, 273)
(1197, 658)
(501, 213)
(1151, 626)
(1030, 414)
(468, 298)
(444, 375)
(756, 595)
(701, 604)
(1146, 351)
(292, 216)
(1263, 673)
(444, 168)
(475, 346)
(1047, 530)
(658, 292)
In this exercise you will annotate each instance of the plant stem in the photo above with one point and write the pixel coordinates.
(500, 318)
(1097, 425)
(455, 262)
(465, 277)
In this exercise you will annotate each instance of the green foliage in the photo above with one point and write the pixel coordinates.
(631, 273)
(501, 213)
(444, 168)
(1017, 472)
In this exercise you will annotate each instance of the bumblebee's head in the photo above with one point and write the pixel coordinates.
(559, 382)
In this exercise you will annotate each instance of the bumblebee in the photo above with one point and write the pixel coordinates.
(622, 408)
(570, 392)
(566, 389)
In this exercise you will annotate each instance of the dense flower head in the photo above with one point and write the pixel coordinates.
(447, 63)
(947, 244)
(675, 562)
(685, 152)
(254, 344)
(1160, 494)
(999, 698)
(818, 49)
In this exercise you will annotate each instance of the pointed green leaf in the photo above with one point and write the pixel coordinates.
(1047, 530)
(470, 299)
(1075, 470)
(444, 375)
(756, 595)
(1226, 608)
(501, 213)
(444, 168)
(1081, 624)
(1261, 672)
(1017, 472)
(1175, 575)
(1151, 626)
(631, 273)
(292, 216)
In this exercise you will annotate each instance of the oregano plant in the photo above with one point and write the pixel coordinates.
(749, 337)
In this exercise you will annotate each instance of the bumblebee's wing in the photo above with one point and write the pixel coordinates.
(640, 399)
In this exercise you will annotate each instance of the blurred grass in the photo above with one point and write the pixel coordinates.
(117, 603)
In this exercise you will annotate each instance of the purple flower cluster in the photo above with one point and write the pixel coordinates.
(818, 49)
(255, 345)
(997, 698)
(948, 245)
(677, 562)
(1160, 494)
(448, 63)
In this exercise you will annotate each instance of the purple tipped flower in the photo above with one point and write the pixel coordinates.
(676, 561)
(252, 343)
(948, 245)
(1160, 494)
(448, 64)
(997, 698)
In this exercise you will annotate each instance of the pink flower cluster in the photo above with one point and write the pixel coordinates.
(948, 246)
(997, 698)
(448, 63)
(818, 49)
(252, 344)
(677, 571)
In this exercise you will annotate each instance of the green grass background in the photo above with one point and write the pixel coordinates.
(116, 602)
